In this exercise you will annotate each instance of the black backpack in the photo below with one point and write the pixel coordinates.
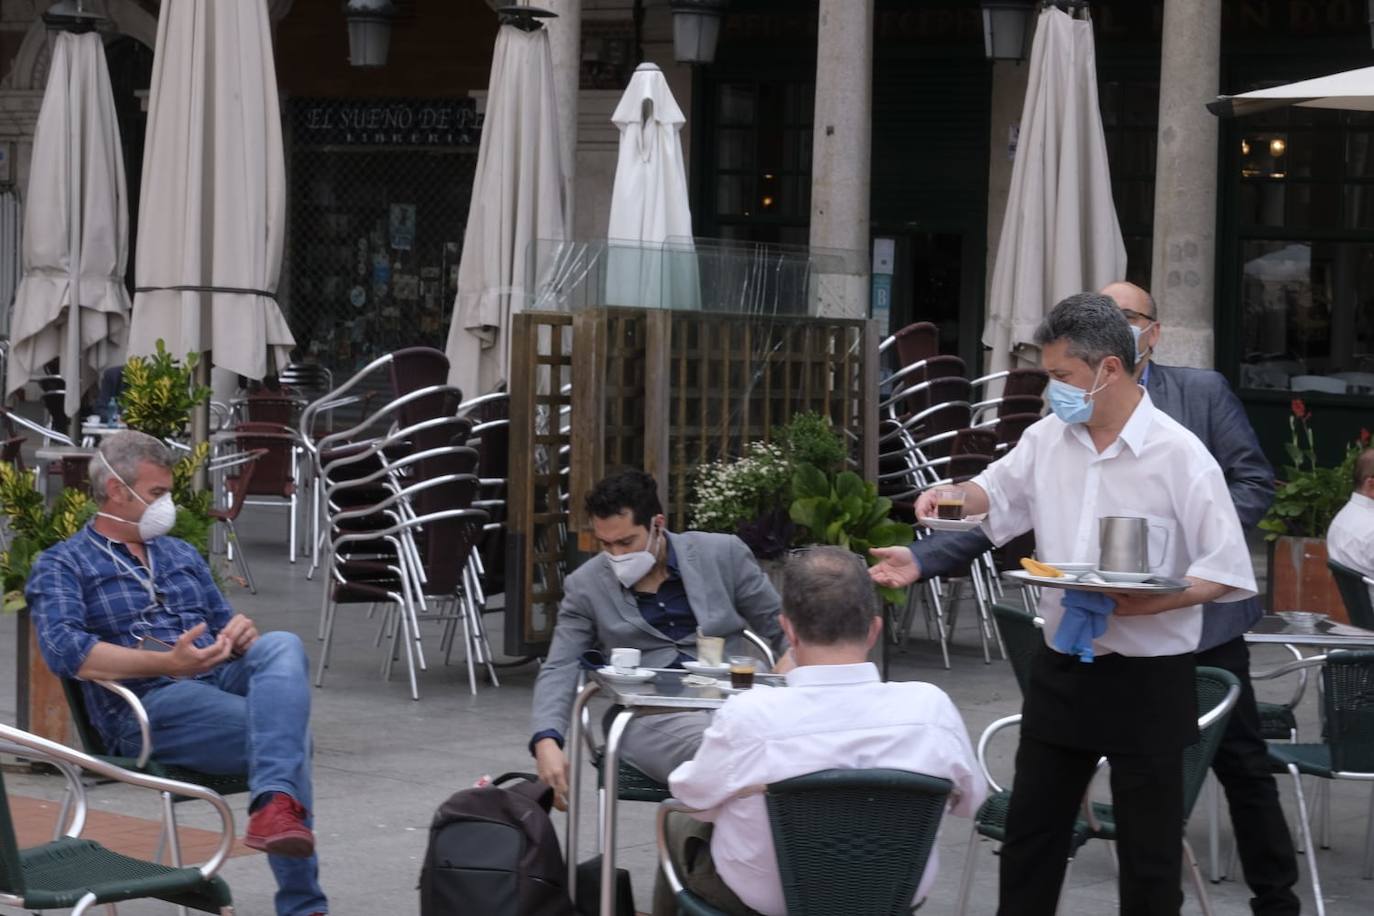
(494, 852)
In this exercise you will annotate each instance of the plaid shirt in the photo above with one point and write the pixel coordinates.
(89, 589)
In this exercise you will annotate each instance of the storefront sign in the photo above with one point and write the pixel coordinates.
(388, 122)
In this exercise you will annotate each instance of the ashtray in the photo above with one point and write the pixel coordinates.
(1302, 620)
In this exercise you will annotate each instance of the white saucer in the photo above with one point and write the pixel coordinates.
(640, 676)
(1110, 576)
(951, 524)
(1070, 569)
(702, 668)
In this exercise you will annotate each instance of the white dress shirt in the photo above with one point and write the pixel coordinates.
(1350, 539)
(1057, 483)
(828, 717)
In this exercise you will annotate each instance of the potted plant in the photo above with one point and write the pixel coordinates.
(1305, 502)
(747, 497)
(34, 527)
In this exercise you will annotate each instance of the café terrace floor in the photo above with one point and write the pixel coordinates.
(384, 762)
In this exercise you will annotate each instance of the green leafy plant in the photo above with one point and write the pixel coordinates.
(810, 438)
(160, 392)
(1310, 495)
(193, 522)
(846, 511)
(747, 497)
(33, 527)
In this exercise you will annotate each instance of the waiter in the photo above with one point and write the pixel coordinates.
(1106, 451)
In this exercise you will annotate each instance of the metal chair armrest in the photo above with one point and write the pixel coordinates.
(762, 645)
(666, 807)
(70, 773)
(1302, 664)
(57, 752)
(145, 729)
(986, 738)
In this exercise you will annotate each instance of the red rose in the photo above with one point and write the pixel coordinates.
(1300, 409)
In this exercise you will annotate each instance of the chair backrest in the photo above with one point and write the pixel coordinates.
(11, 870)
(1022, 636)
(75, 692)
(916, 342)
(1215, 688)
(1354, 594)
(1348, 701)
(239, 481)
(854, 841)
(12, 452)
(973, 442)
(272, 473)
(1022, 382)
(1010, 427)
(1020, 404)
(271, 408)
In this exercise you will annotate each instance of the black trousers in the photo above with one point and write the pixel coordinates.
(1242, 767)
(1147, 798)
(1137, 712)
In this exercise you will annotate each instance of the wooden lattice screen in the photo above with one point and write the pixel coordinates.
(668, 392)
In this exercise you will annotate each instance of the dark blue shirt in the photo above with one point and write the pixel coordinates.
(89, 589)
(668, 609)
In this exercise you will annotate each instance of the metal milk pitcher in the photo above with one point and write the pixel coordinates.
(1125, 544)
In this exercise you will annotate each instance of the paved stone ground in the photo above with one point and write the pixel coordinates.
(383, 762)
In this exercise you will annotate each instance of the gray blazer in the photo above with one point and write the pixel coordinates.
(1202, 401)
(725, 587)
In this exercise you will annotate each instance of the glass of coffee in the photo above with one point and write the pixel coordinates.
(949, 503)
(742, 671)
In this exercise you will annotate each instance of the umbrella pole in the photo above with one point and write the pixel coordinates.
(71, 356)
(200, 416)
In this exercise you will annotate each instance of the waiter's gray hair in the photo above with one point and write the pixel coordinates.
(828, 595)
(124, 452)
(1094, 328)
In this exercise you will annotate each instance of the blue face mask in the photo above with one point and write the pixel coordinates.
(1071, 404)
(1135, 333)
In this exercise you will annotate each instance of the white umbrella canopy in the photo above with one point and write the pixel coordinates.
(649, 203)
(517, 197)
(76, 224)
(1351, 90)
(213, 203)
(1060, 234)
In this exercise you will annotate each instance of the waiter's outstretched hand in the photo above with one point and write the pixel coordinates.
(896, 567)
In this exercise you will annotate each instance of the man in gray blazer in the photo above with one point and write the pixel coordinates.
(1202, 401)
(649, 589)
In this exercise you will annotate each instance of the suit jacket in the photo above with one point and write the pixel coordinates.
(1202, 401)
(726, 588)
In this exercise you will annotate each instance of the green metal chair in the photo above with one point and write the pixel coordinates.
(1354, 587)
(1347, 752)
(1021, 632)
(144, 763)
(853, 842)
(70, 872)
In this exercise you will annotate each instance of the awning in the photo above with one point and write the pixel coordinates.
(1352, 90)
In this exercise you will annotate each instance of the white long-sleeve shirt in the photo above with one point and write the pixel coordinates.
(1056, 482)
(829, 716)
(1350, 539)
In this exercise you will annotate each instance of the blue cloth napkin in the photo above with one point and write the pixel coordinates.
(1085, 619)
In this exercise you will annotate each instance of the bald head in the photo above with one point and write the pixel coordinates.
(1130, 296)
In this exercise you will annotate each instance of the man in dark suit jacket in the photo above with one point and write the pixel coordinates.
(1202, 401)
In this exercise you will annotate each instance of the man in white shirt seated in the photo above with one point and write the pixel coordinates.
(1117, 678)
(1350, 539)
(834, 712)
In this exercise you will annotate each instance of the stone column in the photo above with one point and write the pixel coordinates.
(1183, 271)
(565, 37)
(841, 149)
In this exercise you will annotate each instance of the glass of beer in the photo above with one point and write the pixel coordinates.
(742, 671)
(949, 503)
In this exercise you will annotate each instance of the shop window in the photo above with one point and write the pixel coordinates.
(1304, 214)
(379, 195)
(1130, 115)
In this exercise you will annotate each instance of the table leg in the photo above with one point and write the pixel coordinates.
(610, 778)
(573, 749)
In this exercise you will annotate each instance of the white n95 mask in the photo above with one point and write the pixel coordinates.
(159, 516)
(629, 568)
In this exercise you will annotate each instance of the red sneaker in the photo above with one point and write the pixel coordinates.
(278, 828)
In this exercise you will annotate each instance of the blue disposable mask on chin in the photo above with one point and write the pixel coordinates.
(1072, 404)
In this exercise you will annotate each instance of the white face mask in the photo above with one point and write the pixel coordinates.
(157, 519)
(629, 568)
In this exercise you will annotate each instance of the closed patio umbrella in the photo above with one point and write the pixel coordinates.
(517, 197)
(213, 203)
(1060, 234)
(649, 204)
(1351, 90)
(76, 227)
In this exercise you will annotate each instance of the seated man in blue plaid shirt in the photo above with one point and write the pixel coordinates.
(119, 601)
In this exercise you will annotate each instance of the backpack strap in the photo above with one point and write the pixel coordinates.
(528, 786)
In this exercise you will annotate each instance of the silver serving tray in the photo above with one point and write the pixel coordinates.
(1159, 585)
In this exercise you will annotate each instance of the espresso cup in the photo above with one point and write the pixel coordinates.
(625, 661)
(710, 649)
(742, 671)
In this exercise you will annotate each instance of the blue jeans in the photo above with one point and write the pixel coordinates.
(251, 715)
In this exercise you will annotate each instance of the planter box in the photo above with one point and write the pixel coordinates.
(1299, 579)
(40, 704)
